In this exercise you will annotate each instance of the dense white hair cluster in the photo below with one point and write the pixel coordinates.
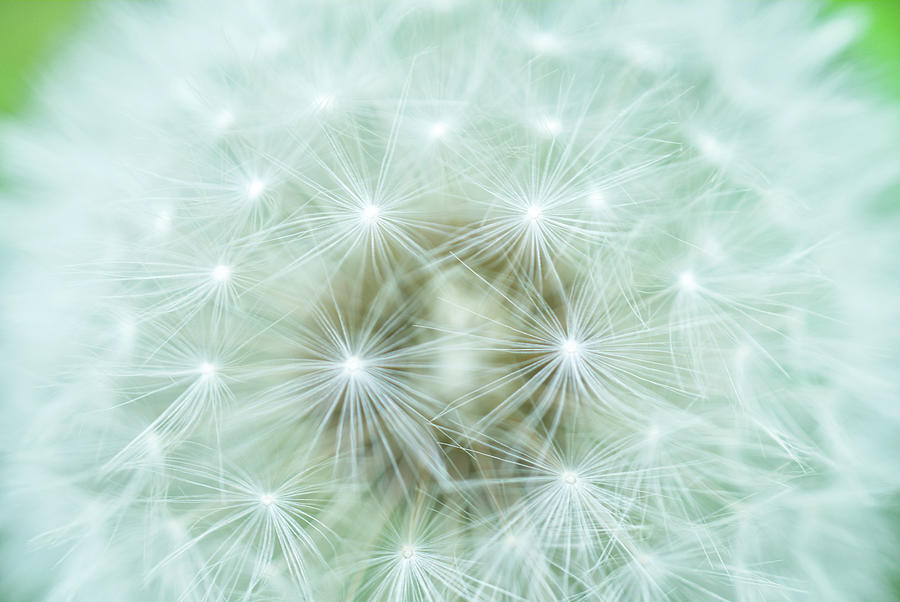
(447, 300)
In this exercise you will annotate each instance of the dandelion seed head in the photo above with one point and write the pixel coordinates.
(544, 42)
(508, 302)
(596, 199)
(711, 148)
(370, 213)
(221, 273)
(549, 125)
(324, 102)
(570, 348)
(163, 221)
(687, 282)
(438, 129)
(353, 365)
(255, 189)
(207, 369)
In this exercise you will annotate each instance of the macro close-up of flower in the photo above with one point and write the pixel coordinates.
(451, 300)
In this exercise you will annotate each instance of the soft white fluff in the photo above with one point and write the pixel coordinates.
(451, 300)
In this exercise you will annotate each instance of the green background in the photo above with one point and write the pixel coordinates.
(30, 30)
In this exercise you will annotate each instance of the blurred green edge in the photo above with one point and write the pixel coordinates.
(31, 30)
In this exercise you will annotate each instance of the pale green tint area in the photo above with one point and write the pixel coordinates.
(30, 30)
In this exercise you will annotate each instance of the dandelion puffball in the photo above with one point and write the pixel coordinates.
(451, 300)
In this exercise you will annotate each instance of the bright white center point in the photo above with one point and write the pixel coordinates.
(255, 189)
(570, 347)
(569, 477)
(352, 365)
(544, 42)
(207, 369)
(438, 129)
(266, 499)
(653, 433)
(324, 102)
(711, 148)
(596, 199)
(221, 273)
(550, 125)
(224, 119)
(127, 329)
(370, 213)
(407, 552)
(687, 281)
(534, 213)
(163, 221)
(154, 444)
